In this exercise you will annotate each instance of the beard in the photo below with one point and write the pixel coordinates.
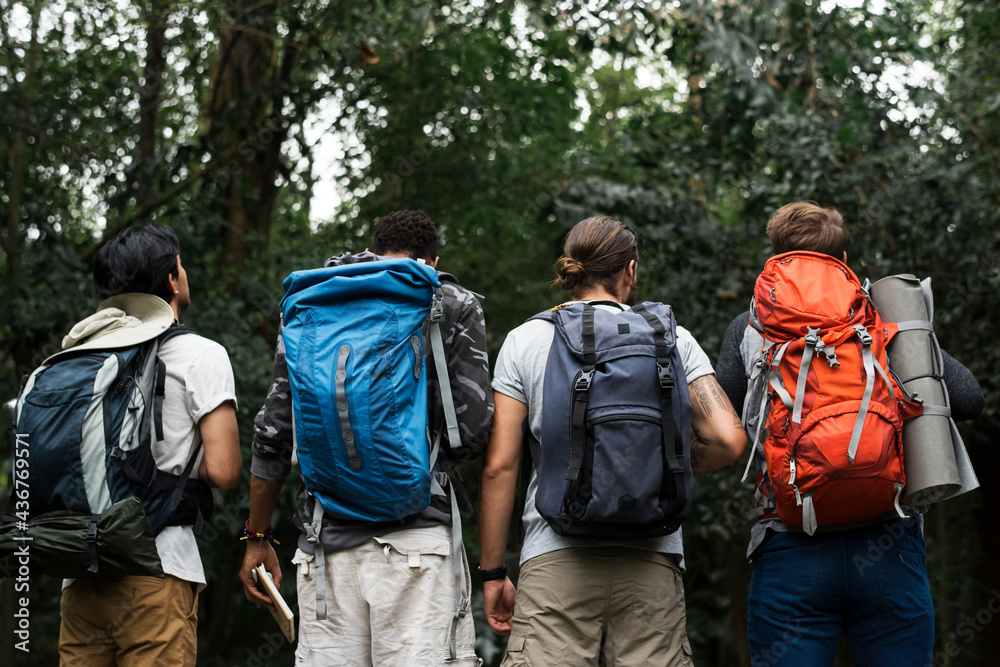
(629, 299)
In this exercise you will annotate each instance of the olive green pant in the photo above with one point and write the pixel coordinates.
(599, 606)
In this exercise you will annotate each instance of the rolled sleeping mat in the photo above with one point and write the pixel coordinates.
(934, 456)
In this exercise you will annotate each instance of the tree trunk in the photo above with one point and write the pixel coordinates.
(247, 130)
(149, 99)
(18, 156)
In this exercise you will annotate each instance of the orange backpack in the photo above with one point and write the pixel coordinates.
(833, 433)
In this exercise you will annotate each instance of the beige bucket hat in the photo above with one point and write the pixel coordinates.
(123, 320)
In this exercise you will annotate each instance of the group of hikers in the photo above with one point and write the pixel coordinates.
(382, 387)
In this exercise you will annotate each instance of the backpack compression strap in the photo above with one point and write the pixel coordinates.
(813, 344)
(313, 530)
(581, 389)
(673, 444)
(871, 364)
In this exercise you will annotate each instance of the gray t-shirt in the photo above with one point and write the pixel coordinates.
(520, 374)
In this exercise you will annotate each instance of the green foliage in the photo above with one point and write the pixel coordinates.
(508, 123)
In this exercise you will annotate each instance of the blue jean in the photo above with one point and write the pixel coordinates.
(868, 583)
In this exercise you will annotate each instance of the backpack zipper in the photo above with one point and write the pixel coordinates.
(625, 416)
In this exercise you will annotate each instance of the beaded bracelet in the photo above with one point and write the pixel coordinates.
(267, 535)
(493, 575)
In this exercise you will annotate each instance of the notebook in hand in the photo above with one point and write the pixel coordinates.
(282, 613)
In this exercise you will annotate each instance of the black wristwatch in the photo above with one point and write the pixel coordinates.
(493, 575)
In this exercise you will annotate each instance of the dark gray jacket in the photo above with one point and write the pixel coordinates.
(463, 330)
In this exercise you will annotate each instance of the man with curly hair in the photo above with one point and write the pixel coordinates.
(389, 586)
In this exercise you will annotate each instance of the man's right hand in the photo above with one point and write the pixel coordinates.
(498, 604)
(259, 552)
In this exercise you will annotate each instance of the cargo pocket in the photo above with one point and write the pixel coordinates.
(517, 652)
(414, 551)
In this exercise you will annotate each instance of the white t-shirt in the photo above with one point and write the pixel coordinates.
(520, 374)
(199, 379)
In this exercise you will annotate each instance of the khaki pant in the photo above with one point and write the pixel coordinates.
(389, 602)
(129, 621)
(607, 606)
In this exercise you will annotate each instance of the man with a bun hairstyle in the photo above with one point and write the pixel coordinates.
(582, 600)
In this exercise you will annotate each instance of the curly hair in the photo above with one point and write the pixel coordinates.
(410, 233)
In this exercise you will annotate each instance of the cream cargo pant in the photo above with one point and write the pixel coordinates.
(389, 601)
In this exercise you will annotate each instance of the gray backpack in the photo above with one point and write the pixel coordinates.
(614, 454)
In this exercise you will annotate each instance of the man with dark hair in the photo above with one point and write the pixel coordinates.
(405, 234)
(139, 620)
(390, 589)
(586, 600)
(808, 589)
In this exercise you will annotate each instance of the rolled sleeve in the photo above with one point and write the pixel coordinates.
(209, 382)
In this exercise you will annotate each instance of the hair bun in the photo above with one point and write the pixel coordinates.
(570, 271)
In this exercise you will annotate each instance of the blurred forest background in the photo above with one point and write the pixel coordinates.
(270, 134)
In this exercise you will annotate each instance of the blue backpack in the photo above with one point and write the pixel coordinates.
(92, 497)
(615, 457)
(355, 348)
(354, 339)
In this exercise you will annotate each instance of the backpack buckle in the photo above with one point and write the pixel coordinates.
(437, 307)
(666, 375)
(583, 381)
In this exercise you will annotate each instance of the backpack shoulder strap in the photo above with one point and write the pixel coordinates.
(441, 366)
(673, 443)
(159, 391)
(160, 380)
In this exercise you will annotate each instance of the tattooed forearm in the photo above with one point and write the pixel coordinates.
(718, 438)
(706, 390)
(697, 452)
(701, 391)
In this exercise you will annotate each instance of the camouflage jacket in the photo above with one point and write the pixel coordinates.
(463, 331)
